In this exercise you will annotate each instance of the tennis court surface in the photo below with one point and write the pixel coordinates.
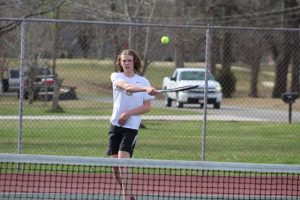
(65, 177)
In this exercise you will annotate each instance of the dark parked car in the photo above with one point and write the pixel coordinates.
(43, 82)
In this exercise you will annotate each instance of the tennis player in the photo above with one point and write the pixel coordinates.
(132, 95)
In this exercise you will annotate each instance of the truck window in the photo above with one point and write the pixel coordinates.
(14, 74)
(174, 76)
(195, 75)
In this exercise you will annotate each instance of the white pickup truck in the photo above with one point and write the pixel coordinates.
(192, 76)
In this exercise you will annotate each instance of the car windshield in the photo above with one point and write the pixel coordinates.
(195, 75)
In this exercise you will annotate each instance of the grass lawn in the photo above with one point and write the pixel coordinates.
(236, 142)
(85, 107)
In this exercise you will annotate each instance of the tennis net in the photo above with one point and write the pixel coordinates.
(67, 177)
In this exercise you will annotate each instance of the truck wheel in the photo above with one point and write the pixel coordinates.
(168, 101)
(179, 104)
(25, 95)
(35, 95)
(5, 85)
(217, 105)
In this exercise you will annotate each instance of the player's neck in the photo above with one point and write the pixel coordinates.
(129, 74)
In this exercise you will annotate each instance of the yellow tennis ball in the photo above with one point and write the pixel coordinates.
(165, 40)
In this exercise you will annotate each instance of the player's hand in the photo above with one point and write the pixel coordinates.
(152, 91)
(123, 119)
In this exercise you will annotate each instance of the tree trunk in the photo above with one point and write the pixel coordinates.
(285, 56)
(181, 9)
(295, 87)
(227, 54)
(57, 85)
(282, 64)
(254, 49)
(255, 68)
(178, 51)
(55, 100)
(214, 53)
(32, 73)
(1, 75)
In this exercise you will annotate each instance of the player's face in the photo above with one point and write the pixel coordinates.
(127, 64)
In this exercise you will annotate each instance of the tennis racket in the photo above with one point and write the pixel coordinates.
(178, 89)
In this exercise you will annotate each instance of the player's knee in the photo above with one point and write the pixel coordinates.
(124, 154)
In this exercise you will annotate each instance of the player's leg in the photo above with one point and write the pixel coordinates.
(115, 138)
(125, 178)
(117, 173)
(126, 151)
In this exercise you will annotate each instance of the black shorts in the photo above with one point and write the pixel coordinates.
(121, 139)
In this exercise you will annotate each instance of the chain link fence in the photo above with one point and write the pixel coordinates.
(64, 101)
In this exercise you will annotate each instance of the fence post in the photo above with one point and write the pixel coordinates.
(21, 92)
(207, 67)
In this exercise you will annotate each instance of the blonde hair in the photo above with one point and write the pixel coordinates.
(137, 63)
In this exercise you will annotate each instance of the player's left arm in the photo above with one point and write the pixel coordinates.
(146, 107)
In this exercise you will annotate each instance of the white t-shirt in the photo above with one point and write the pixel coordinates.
(124, 102)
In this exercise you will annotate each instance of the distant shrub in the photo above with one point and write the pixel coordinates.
(227, 81)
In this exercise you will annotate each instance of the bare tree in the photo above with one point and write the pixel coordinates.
(295, 86)
(253, 53)
(57, 80)
(285, 53)
(132, 9)
(146, 48)
(180, 10)
(29, 9)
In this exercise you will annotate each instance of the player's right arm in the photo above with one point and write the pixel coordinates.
(131, 88)
(135, 88)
